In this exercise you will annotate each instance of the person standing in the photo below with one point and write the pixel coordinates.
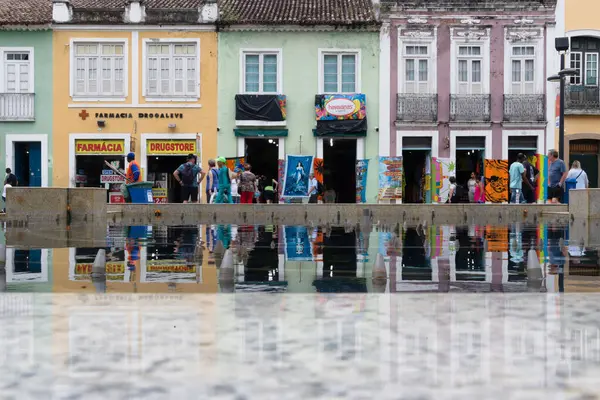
(133, 169)
(472, 184)
(212, 180)
(557, 174)
(270, 190)
(187, 176)
(313, 186)
(479, 197)
(532, 175)
(517, 177)
(10, 177)
(225, 177)
(577, 174)
(247, 185)
(11, 181)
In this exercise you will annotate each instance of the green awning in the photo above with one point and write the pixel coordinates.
(341, 134)
(260, 133)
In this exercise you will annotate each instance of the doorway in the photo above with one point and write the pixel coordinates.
(470, 153)
(586, 152)
(160, 173)
(521, 144)
(28, 163)
(339, 169)
(263, 155)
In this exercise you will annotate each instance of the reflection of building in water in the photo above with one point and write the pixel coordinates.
(470, 257)
(81, 261)
(27, 267)
(415, 262)
(263, 261)
(582, 272)
(339, 270)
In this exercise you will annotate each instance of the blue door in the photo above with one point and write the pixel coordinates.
(28, 163)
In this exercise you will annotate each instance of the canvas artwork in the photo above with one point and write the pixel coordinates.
(236, 164)
(362, 167)
(496, 181)
(441, 170)
(280, 178)
(390, 178)
(297, 244)
(541, 163)
(297, 170)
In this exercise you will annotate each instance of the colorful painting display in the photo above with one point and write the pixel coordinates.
(541, 163)
(281, 178)
(362, 167)
(297, 170)
(236, 164)
(331, 107)
(441, 170)
(297, 244)
(390, 178)
(496, 181)
(318, 169)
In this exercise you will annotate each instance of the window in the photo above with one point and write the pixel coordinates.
(99, 69)
(416, 69)
(576, 63)
(17, 72)
(523, 69)
(470, 62)
(591, 69)
(172, 70)
(261, 72)
(340, 73)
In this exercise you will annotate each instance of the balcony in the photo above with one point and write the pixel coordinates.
(582, 100)
(17, 107)
(417, 107)
(470, 107)
(524, 108)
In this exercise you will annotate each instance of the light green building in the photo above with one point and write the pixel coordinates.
(274, 75)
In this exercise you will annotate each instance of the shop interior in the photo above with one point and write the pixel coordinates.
(89, 168)
(521, 144)
(262, 154)
(28, 163)
(160, 172)
(339, 169)
(414, 175)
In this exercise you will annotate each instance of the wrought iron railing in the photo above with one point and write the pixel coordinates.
(417, 107)
(585, 99)
(524, 107)
(470, 107)
(17, 106)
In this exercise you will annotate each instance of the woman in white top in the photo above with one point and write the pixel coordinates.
(472, 184)
(579, 175)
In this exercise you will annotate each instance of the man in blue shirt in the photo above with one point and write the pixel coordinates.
(517, 177)
(557, 173)
(187, 176)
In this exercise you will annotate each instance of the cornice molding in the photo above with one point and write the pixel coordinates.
(45, 27)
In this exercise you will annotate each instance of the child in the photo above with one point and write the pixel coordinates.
(479, 196)
(11, 181)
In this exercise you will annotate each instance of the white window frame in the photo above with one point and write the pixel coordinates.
(3, 51)
(538, 78)
(339, 53)
(577, 79)
(261, 52)
(73, 68)
(584, 67)
(403, 43)
(484, 43)
(177, 98)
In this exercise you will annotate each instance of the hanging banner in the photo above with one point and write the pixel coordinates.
(496, 181)
(99, 146)
(260, 107)
(171, 147)
(236, 164)
(296, 176)
(390, 178)
(281, 178)
(362, 167)
(329, 107)
(318, 168)
(541, 191)
(441, 170)
(297, 244)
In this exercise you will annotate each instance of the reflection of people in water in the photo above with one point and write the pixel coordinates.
(224, 235)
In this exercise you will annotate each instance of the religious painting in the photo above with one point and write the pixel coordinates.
(296, 176)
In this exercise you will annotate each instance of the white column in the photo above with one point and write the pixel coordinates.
(360, 149)
(384, 89)
(135, 67)
(320, 148)
(241, 147)
(281, 148)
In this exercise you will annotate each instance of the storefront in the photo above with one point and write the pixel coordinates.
(161, 156)
(87, 156)
(470, 149)
(340, 132)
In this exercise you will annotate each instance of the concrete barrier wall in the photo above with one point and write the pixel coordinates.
(584, 203)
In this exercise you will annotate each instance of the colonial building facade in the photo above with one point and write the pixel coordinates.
(280, 68)
(464, 83)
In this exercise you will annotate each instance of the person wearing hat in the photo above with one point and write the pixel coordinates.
(225, 176)
(133, 170)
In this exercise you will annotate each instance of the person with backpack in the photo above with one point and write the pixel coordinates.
(315, 189)
(187, 176)
(457, 193)
(212, 181)
(247, 185)
(224, 195)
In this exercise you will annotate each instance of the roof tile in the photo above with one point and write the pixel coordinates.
(119, 4)
(25, 12)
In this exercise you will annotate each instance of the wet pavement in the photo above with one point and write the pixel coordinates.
(287, 312)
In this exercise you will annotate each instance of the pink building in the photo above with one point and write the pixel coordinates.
(466, 81)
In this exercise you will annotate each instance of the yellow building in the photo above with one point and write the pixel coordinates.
(582, 97)
(135, 79)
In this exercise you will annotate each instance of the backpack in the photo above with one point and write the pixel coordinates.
(319, 188)
(459, 195)
(187, 176)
